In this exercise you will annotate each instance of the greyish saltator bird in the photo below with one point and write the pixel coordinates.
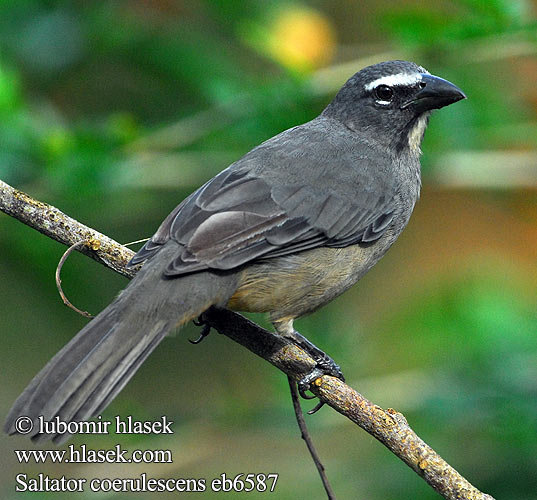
(285, 229)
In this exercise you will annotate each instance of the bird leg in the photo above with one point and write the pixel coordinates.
(325, 364)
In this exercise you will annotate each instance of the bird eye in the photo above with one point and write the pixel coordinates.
(422, 85)
(384, 93)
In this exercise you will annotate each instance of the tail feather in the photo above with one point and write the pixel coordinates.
(116, 388)
(58, 369)
(86, 375)
(97, 391)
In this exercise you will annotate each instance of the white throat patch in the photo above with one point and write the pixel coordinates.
(416, 134)
(406, 79)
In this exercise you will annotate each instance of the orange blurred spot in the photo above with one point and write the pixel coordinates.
(301, 39)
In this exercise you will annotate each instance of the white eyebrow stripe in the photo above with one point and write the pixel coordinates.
(399, 79)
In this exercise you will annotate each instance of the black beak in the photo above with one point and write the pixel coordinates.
(435, 93)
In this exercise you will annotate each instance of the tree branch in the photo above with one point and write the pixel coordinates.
(60, 227)
(388, 426)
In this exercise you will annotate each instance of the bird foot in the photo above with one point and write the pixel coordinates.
(325, 366)
(205, 329)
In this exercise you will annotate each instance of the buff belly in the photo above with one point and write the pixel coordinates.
(291, 286)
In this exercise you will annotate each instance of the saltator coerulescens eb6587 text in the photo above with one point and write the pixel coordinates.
(285, 229)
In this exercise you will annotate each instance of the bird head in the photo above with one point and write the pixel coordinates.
(390, 103)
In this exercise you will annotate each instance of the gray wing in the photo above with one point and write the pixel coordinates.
(256, 209)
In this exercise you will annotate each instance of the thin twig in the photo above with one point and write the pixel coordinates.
(134, 242)
(66, 301)
(76, 246)
(307, 438)
(388, 426)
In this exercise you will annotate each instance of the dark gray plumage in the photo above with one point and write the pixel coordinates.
(283, 230)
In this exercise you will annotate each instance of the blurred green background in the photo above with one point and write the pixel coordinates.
(115, 111)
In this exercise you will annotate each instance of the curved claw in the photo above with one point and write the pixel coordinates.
(197, 341)
(198, 321)
(316, 408)
(305, 382)
(304, 395)
(205, 330)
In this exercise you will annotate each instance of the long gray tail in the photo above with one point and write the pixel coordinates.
(87, 374)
